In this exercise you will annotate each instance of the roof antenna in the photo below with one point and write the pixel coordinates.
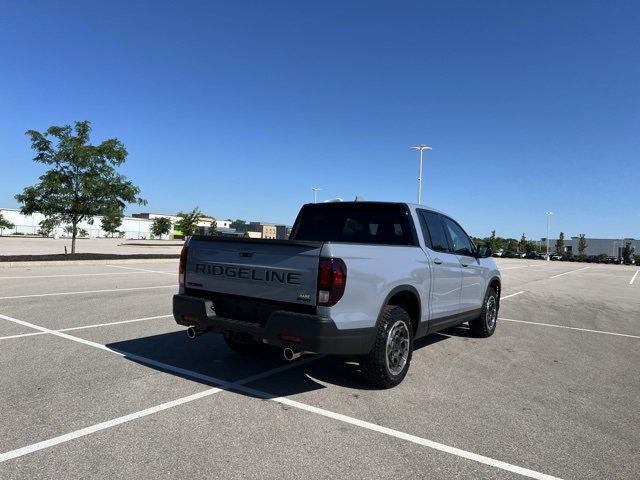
(359, 199)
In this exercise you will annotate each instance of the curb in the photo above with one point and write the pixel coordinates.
(59, 263)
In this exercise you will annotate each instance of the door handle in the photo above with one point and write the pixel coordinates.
(437, 261)
(464, 264)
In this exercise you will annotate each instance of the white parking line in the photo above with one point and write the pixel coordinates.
(634, 277)
(22, 277)
(403, 436)
(95, 325)
(19, 452)
(20, 335)
(34, 447)
(570, 271)
(569, 328)
(512, 295)
(238, 386)
(143, 270)
(88, 291)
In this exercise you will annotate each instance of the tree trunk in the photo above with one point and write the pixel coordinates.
(73, 237)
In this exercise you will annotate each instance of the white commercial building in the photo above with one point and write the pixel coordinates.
(137, 228)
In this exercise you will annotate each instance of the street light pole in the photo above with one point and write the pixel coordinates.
(548, 233)
(315, 194)
(421, 148)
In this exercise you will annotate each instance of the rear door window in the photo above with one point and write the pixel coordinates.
(460, 242)
(433, 230)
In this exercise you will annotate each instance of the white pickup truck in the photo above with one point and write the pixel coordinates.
(355, 278)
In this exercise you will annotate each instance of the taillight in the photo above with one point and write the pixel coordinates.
(182, 267)
(332, 278)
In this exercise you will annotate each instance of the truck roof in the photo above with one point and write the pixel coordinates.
(412, 206)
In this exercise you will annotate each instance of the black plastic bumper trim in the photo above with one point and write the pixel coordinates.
(317, 334)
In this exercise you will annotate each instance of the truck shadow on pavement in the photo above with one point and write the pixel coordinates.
(209, 355)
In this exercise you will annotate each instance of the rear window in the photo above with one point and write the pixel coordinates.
(374, 224)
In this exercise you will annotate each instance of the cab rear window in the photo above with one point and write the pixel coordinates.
(372, 224)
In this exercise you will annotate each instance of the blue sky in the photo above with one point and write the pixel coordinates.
(241, 107)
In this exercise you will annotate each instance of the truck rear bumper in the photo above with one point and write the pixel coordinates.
(316, 334)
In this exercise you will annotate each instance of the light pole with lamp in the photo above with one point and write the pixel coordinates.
(548, 230)
(421, 148)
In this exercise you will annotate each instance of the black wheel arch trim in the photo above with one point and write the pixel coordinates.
(395, 291)
(493, 279)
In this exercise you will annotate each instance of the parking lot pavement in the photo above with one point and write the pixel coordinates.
(138, 398)
(21, 245)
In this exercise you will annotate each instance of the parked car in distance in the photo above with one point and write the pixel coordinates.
(360, 279)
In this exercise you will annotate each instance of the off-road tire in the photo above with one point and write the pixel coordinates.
(244, 346)
(485, 325)
(374, 365)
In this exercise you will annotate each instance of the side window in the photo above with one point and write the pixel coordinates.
(434, 232)
(459, 240)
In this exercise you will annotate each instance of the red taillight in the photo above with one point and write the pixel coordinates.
(332, 278)
(182, 267)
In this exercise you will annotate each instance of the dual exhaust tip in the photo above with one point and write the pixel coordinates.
(289, 354)
(193, 332)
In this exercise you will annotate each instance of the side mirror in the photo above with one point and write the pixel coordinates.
(484, 251)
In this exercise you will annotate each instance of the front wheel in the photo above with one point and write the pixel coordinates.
(387, 363)
(485, 324)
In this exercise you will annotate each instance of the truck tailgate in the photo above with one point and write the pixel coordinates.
(279, 270)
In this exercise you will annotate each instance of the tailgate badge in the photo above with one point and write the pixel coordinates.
(304, 297)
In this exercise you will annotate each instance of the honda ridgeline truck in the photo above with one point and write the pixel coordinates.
(361, 279)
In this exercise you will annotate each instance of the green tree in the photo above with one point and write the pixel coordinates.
(47, 226)
(238, 222)
(512, 244)
(188, 223)
(161, 226)
(82, 182)
(4, 223)
(491, 241)
(627, 251)
(111, 220)
(560, 244)
(582, 245)
(522, 244)
(530, 246)
(213, 228)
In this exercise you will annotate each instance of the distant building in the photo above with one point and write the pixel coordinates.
(282, 232)
(265, 230)
(612, 247)
(151, 216)
(131, 228)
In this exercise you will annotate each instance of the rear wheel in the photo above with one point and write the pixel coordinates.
(387, 363)
(243, 344)
(485, 324)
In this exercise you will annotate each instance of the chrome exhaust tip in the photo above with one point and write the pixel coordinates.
(193, 332)
(290, 354)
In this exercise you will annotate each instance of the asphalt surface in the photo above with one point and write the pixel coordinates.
(555, 391)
